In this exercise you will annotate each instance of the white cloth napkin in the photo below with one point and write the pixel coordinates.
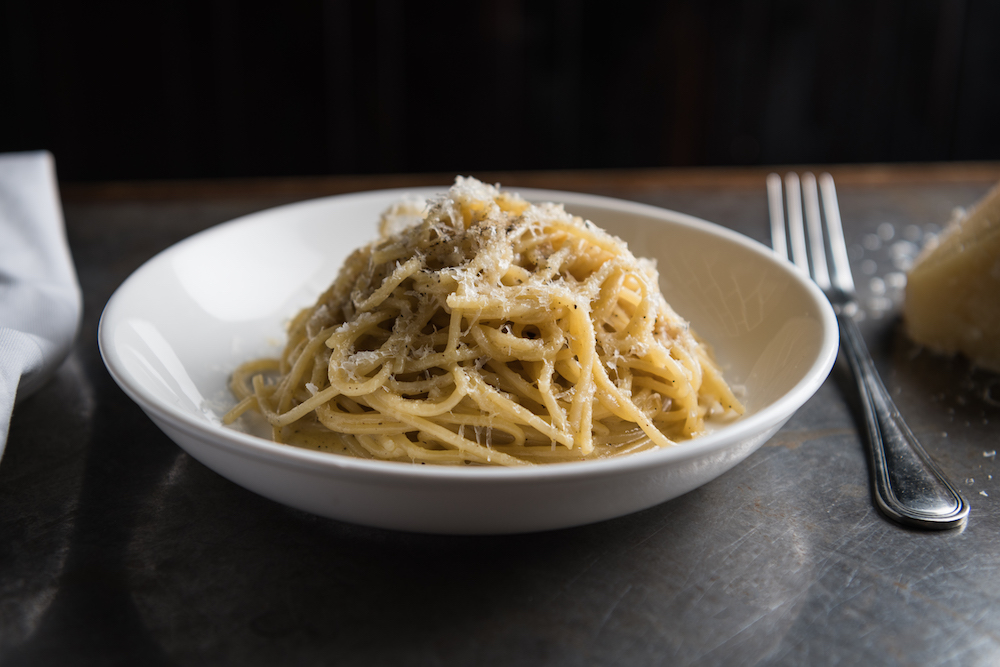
(40, 300)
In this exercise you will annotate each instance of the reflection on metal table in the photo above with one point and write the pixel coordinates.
(118, 546)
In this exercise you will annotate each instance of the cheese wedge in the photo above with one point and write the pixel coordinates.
(953, 290)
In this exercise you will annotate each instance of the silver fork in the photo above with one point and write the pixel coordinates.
(908, 487)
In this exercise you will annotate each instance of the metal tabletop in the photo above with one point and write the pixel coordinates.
(118, 548)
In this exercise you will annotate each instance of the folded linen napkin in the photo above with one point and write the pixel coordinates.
(40, 300)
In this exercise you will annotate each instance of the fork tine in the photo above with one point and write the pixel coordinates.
(777, 209)
(796, 229)
(814, 226)
(838, 247)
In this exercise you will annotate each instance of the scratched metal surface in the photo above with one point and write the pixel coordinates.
(117, 547)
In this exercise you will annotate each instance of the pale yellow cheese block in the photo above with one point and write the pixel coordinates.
(953, 291)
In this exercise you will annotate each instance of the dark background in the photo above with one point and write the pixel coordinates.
(165, 89)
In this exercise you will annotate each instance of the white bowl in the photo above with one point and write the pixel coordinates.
(174, 330)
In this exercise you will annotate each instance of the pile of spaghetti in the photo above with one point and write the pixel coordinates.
(484, 329)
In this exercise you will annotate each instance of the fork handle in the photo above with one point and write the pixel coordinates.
(908, 486)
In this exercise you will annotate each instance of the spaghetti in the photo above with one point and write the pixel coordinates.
(484, 329)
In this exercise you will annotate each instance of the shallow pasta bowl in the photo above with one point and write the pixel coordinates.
(173, 332)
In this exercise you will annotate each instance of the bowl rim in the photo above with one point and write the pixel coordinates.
(251, 446)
